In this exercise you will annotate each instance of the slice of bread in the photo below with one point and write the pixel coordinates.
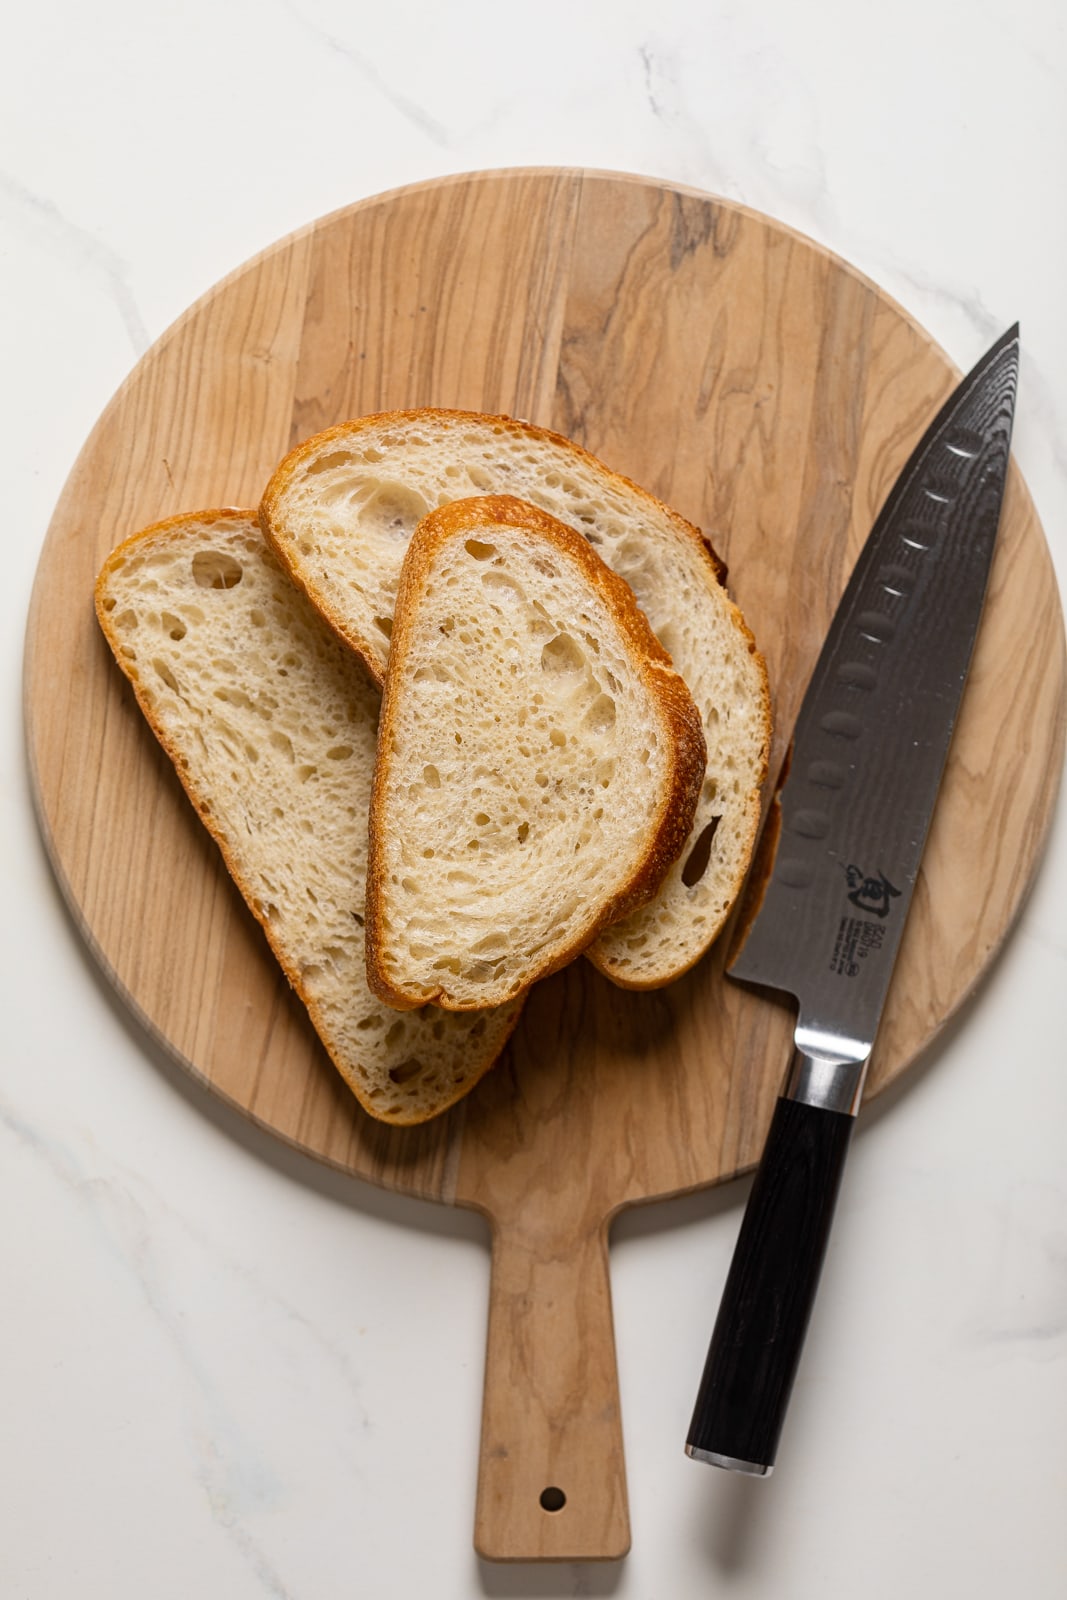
(539, 759)
(271, 724)
(340, 510)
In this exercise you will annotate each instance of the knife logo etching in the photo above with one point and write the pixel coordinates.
(858, 938)
(870, 894)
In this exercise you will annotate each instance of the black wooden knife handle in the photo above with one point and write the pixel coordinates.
(770, 1289)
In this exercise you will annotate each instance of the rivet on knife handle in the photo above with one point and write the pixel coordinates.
(868, 753)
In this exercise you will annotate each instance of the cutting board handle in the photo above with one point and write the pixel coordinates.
(552, 1479)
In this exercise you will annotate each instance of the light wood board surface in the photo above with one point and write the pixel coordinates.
(771, 394)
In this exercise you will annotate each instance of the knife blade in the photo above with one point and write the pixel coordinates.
(867, 757)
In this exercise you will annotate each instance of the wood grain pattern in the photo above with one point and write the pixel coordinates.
(771, 394)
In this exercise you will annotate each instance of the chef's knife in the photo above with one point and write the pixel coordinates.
(868, 753)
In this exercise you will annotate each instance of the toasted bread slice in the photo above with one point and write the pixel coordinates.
(271, 724)
(340, 510)
(539, 759)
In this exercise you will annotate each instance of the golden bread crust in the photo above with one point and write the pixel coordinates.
(668, 829)
(746, 828)
(237, 520)
(345, 433)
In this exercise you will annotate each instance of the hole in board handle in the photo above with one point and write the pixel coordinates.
(552, 1499)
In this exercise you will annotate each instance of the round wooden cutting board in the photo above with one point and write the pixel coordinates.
(771, 394)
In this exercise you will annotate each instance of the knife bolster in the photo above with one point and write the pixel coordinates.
(826, 1073)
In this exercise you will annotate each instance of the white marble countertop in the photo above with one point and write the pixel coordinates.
(229, 1373)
